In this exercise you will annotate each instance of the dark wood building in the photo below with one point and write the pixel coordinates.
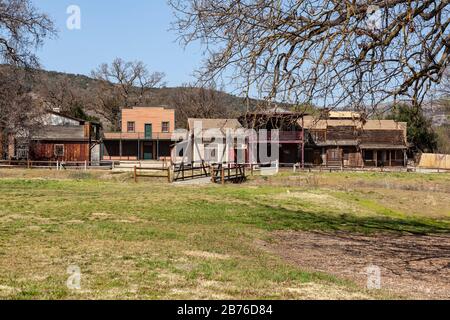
(291, 135)
(58, 138)
(344, 140)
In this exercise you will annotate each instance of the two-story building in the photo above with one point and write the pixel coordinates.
(145, 134)
(343, 139)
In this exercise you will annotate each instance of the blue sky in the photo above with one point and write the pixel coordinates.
(132, 30)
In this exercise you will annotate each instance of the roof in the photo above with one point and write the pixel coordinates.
(384, 125)
(81, 121)
(149, 107)
(321, 124)
(215, 123)
(60, 133)
(344, 114)
(382, 146)
(339, 143)
(313, 123)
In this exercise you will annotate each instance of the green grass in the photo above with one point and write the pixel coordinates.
(153, 240)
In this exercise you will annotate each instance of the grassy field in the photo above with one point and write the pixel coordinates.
(153, 240)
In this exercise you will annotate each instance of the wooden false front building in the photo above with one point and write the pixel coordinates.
(146, 134)
(347, 141)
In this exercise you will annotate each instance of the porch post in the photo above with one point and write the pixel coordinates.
(363, 153)
(157, 148)
(303, 142)
(376, 158)
(120, 147)
(139, 147)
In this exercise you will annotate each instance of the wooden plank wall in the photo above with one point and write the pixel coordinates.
(394, 137)
(73, 151)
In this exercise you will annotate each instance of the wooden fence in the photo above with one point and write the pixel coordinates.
(154, 172)
(228, 172)
(194, 170)
(57, 165)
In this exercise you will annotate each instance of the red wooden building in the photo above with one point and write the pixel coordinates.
(58, 138)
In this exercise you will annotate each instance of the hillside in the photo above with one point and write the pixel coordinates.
(73, 92)
(77, 94)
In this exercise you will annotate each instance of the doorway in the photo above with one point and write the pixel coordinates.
(148, 150)
(148, 131)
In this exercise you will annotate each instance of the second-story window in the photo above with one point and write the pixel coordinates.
(165, 126)
(130, 126)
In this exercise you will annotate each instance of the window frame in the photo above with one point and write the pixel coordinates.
(168, 126)
(55, 149)
(133, 123)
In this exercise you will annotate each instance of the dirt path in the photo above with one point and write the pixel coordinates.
(411, 266)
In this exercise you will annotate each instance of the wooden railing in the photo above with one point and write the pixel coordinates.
(137, 136)
(283, 136)
(187, 171)
(58, 165)
(222, 173)
(154, 172)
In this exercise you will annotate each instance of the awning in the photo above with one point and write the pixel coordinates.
(382, 146)
(340, 143)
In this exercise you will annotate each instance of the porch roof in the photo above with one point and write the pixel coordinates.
(339, 143)
(367, 146)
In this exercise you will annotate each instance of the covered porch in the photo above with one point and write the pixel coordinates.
(133, 147)
(384, 156)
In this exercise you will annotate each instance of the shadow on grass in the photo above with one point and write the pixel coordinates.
(275, 218)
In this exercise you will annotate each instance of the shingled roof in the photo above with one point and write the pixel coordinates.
(60, 133)
(215, 123)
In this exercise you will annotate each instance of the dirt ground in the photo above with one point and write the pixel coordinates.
(411, 266)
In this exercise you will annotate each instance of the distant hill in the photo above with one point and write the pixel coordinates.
(85, 87)
(230, 105)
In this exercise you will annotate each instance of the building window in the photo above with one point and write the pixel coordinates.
(59, 150)
(165, 126)
(368, 155)
(130, 126)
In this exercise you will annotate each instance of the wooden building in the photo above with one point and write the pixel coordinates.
(146, 134)
(344, 140)
(57, 137)
(206, 141)
(291, 135)
(65, 138)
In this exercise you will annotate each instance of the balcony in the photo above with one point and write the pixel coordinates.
(137, 136)
(283, 137)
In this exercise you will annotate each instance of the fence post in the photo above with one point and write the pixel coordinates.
(28, 163)
(251, 166)
(135, 174)
(85, 165)
(222, 175)
(57, 165)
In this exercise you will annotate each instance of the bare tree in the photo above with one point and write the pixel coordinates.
(19, 114)
(193, 102)
(124, 84)
(23, 28)
(327, 52)
(444, 88)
